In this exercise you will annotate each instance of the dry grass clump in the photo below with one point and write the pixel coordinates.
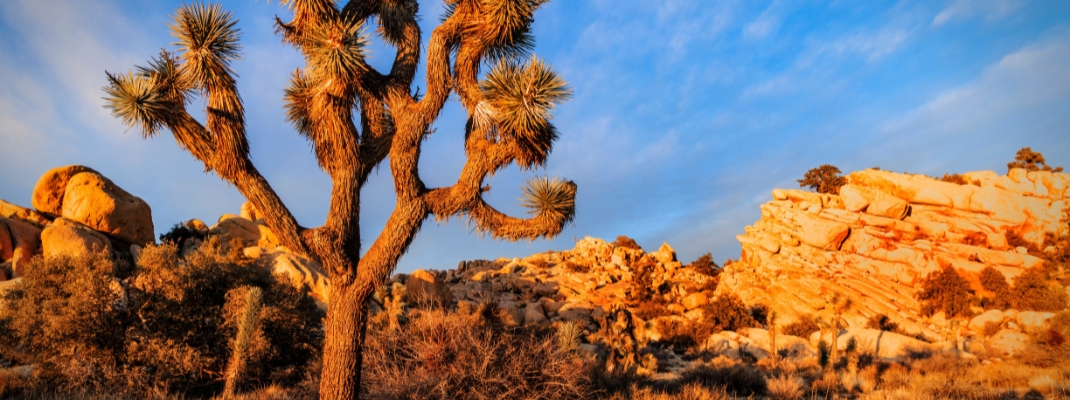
(441, 355)
(98, 325)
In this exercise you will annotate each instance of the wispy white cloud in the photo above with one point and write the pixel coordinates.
(766, 24)
(992, 10)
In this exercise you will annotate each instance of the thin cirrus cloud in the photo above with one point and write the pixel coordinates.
(686, 113)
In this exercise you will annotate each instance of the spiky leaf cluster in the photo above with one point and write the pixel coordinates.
(335, 49)
(519, 101)
(147, 99)
(208, 42)
(550, 197)
(506, 27)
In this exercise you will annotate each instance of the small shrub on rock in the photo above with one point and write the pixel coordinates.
(954, 178)
(626, 242)
(823, 179)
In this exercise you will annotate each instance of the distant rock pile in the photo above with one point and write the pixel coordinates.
(76, 210)
(885, 232)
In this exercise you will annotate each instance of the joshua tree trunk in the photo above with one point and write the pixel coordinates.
(355, 118)
(345, 338)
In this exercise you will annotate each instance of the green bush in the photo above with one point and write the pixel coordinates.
(945, 291)
(94, 323)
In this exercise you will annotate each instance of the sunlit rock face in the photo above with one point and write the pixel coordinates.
(883, 233)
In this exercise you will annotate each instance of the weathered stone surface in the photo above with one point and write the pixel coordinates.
(890, 346)
(533, 314)
(695, 300)
(52, 186)
(301, 272)
(886, 252)
(65, 237)
(980, 322)
(98, 203)
(1033, 321)
(11, 211)
(249, 212)
(425, 288)
(197, 225)
(249, 233)
(24, 240)
(1007, 342)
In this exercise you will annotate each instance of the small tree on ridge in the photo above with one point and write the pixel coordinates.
(356, 118)
(823, 179)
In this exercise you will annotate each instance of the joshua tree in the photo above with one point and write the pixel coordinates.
(356, 118)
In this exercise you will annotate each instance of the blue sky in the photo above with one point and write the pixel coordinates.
(685, 115)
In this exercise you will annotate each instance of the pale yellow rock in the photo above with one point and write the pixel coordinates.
(820, 233)
(65, 237)
(249, 212)
(695, 301)
(887, 206)
(1034, 321)
(998, 204)
(50, 188)
(98, 203)
(425, 288)
(1008, 343)
(301, 272)
(855, 198)
(980, 322)
(238, 228)
(889, 346)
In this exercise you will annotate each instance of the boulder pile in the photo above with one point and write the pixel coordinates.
(76, 210)
(883, 233)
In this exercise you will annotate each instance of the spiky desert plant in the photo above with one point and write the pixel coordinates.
(247, 327)
(568, 336)
(356, 118)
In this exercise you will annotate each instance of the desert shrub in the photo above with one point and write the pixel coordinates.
(441, 355)
(954, 178)
(823, 179)
(945, 291)
(737, 379)
(93, 322)
(626, 242)
(801, 328)
(728, 313)
(180, 233)
(1031, 161)
(785, 388)
(646, 297)
(994, 281)
(882, 322)
(705, 265)
(1015, 240)
(1032, 291)
(684, 334)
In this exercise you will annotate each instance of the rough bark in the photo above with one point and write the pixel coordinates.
(342, 359)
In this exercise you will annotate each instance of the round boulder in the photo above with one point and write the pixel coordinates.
(65, 237)
(49, 191)
(97, 202)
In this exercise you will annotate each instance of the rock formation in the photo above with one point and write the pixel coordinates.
(83, 195)
(885, 232)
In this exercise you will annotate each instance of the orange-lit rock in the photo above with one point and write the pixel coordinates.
(65, 237)
(887, 232)
(99, 203)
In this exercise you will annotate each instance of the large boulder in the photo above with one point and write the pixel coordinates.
(66, 237)
(97, 202)
(1007, 342)
(250, 233)
(991, 317)
(48, 193)
(821, 233)
(23, 242)
(8, 210)
(425, 288)
(889, 346)
(301, 272)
